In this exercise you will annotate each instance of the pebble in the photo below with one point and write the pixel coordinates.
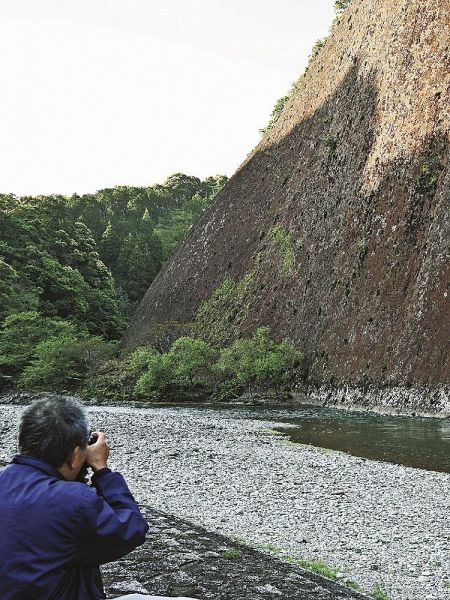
(219, 470)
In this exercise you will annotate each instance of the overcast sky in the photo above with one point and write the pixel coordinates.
(97, 93)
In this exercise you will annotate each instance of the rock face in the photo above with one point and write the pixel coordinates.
(335, 229)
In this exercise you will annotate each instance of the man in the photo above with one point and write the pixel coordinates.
(54, 530)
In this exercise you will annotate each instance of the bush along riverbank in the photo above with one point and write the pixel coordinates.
(53, 355)
(194, 370)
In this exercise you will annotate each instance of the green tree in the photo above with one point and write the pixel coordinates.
(158, 377)
(89, 258)
(193, 360)
(64, 361)
(58, 269)
(20, 335)
(139, 260)
(182, 187)
(259, 361)
(14, 297)
(115, 379)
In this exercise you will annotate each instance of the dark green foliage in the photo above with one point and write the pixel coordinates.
(63, 361)
(20, 335)
(157, 379)
(228, 389)
(193, 360)
(260, 362)
(51, 264)
(14, 298)
(188, 367)
(48, 353)
(194, 370)
(90, 258)
(116, 379)
(136, 228)
(138, 262)
(71, 267)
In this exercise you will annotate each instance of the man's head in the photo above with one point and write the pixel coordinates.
(55, 430)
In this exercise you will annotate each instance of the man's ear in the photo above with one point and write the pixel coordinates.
(76, 457)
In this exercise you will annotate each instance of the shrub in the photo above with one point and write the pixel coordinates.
(193, 361)
(63, 361)
(158, 377)
(260, 361)
(138, 361)
(230, 389)
(116, 379)
(378, 593)
(194, 369)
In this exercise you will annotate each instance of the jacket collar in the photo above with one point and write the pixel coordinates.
(37, 463)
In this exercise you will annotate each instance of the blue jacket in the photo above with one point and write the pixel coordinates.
(55, 533)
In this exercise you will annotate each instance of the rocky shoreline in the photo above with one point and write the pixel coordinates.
(396, 401)
(376, 523)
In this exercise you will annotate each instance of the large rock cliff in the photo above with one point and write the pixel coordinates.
(335, 229)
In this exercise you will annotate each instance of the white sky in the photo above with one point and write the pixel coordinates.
(97, 93)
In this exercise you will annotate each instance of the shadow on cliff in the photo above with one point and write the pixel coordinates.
(360, 260)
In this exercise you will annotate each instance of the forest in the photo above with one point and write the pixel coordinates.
(73, 268)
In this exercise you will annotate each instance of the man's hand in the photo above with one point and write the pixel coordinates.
(97, 454)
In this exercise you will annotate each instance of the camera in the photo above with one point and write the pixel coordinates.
(83, 474)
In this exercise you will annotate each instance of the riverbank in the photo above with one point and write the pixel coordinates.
(395, 401)
(377, 523)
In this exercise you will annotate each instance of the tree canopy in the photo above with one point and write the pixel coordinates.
(90, 258)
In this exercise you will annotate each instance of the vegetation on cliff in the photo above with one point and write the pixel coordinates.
(340, 6)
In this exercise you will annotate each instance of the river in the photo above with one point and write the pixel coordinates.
(419, 442)
(378, 523)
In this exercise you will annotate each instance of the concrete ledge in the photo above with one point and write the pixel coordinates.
(180, 559)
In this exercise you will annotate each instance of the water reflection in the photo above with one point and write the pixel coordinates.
(416, 442)
(412, 441)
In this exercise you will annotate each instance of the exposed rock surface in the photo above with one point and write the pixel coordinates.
(335, 229)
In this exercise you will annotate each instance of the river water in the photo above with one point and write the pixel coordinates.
(420, 442)
(411, 441)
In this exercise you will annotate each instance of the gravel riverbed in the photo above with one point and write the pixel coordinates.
(377, 523)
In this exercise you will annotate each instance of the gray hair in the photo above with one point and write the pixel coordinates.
(51, 428)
